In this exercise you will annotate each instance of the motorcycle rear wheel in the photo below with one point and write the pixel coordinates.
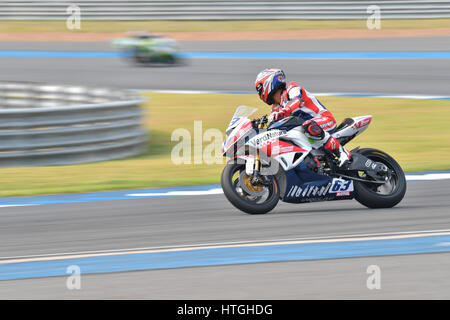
(384, 196)
(244, 201)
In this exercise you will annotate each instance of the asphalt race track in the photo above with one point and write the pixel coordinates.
(52, 230)
(411, 76)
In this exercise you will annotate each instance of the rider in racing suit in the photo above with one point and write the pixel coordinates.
(294, 100)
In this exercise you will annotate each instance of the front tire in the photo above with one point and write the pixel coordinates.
(384, 196)
(252, 204)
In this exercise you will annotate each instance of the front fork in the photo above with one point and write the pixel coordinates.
(257, 165)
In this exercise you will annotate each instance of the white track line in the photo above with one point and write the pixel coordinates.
(415, 177)
(15, 205)
(178, 193)
(339, 238)
(428, 176)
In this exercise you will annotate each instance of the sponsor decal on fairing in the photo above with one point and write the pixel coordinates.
(362, 123)
(267, 138)
(308, 191)
(341, 187)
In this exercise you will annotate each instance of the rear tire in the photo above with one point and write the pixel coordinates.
(369, 195)
(240, 201)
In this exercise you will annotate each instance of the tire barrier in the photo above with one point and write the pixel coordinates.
(44, 124)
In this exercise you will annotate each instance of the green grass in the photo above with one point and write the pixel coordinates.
(415, 132)
(197, 26)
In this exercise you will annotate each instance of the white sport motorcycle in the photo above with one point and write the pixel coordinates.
(280, 162)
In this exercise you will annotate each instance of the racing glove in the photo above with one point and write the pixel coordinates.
(277, 115)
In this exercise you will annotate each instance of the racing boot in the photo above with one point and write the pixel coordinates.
(334, 146)
(319, 137)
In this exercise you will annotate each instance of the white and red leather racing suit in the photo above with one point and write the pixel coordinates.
(319, 122)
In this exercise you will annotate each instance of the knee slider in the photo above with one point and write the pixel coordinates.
(313, 130)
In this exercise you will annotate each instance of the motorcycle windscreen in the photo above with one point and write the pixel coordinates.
(241, 112)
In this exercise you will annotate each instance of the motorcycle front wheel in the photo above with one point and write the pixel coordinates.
(252, 199)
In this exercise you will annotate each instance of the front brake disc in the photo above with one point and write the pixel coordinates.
(246, 184)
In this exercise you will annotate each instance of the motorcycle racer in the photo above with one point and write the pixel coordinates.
(294, 100)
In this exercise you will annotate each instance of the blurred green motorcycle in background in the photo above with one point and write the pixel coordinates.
(149, 49)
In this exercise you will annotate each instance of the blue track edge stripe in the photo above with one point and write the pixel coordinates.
(239, 55)
(227, 256)
(122, 194)
(97, 196)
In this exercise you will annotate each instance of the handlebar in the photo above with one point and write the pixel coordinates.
(260, 121)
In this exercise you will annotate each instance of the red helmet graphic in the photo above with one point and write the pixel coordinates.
(268, 82)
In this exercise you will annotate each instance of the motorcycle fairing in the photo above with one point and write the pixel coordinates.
(351, 127)
(304, 185)
(279, 145)
(242, 129)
